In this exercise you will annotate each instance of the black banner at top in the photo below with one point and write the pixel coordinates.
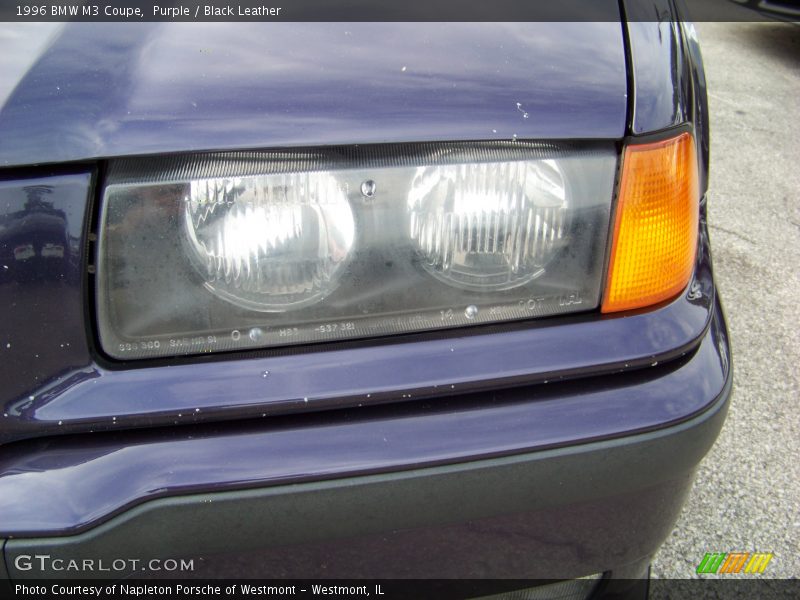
(391, 10)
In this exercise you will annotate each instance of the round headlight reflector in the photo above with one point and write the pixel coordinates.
(270, 243)
(488, 226)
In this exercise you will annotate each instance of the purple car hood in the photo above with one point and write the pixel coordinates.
(102, 90)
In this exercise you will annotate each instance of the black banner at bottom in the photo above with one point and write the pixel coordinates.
(388, 589)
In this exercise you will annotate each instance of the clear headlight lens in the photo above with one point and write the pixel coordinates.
(489, 226)
(270, 243)
(233, 251)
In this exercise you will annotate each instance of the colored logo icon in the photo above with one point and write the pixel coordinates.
(734, 562)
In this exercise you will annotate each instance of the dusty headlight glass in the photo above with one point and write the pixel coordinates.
(269, 243)
(488, 226)
(233, 251)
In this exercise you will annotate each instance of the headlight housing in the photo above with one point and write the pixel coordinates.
(232, 251)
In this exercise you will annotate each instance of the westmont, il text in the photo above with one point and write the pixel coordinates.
(148, 590)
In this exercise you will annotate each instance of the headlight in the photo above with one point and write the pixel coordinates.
(241, 250)
(490, 226)
(269, 243)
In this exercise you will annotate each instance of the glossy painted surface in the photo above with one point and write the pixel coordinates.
(22, 45)
(658, 67)
(98, 92)
(98, 399)
(77, 394)
(42, 244)
(698, 99)
(107, 472)
(122, 89)
(87, 397)
(666, 72)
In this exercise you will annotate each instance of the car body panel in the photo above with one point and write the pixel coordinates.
(43, 332)
(123, 469)
(177, 87)
(668, 85)
(526, 500)
(657, 69)
(340, 375)
(557, 447)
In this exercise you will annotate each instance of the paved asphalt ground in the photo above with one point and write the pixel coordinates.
(747, 493)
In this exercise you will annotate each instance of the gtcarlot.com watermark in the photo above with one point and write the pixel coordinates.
(46, 563)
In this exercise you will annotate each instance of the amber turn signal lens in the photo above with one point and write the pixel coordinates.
(655, 229)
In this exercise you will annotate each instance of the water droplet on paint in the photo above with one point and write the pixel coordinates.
(368, 188)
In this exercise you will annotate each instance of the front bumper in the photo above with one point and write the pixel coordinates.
(381, 492)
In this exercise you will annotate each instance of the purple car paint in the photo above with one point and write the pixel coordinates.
(559, 447)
